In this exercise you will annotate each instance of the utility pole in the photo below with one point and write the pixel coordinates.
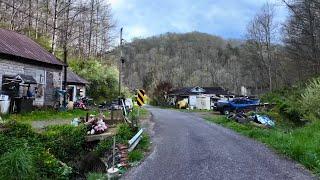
(120, 65)
(65, 55)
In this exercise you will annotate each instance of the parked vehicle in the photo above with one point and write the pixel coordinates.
(225, 106)
(183, 104)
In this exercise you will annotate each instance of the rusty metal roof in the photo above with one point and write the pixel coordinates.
(73, 78)
(13, 43)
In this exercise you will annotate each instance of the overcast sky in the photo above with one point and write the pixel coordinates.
(226, 18)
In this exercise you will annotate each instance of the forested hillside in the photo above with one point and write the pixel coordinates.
(271, 55)
(198, 59)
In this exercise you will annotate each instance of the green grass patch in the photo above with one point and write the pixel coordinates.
(301, 143)
(135, 155)
(144, 143)
(44, 115)
(144, 113)
(96, 176)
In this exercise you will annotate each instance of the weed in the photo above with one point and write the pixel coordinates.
(144, 143)
(135, 155)
(96, 176)
(17, 164)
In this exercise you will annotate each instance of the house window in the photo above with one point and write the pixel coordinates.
(41, 79)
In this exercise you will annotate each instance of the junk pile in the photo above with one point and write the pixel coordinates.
(123, 154)
(95, 124)
(255, 119)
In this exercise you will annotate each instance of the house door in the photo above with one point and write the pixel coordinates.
(49, 93)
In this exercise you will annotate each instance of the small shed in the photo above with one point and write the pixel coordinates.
(198, 97)
(76, 86)
(203, 102)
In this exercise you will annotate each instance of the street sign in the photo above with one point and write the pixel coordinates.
(140, 98)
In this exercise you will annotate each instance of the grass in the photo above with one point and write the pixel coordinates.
(144, 113)
(300, 144)
(41, 115)
(135, 155)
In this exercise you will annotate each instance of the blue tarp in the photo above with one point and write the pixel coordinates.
(265, 120)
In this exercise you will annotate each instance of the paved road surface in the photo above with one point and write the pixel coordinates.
(188, 147)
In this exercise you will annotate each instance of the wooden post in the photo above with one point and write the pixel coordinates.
(113, 151)
(112, 114)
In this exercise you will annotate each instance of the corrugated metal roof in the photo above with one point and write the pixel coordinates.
(73, 78)
(19, 45)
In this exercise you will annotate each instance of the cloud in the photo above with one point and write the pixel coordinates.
(226, 18)
(137, 31)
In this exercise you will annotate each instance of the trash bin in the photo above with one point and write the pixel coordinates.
(4, 107)
(24, 104)
(4, 104)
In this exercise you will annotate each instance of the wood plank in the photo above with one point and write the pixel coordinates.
(98, 137)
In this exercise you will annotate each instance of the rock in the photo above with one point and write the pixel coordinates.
(92, 163)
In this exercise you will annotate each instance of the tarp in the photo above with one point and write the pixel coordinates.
(265, 120)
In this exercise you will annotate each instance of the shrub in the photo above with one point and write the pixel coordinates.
(104, 146)
(144, 143)
(44, 163)
(17, 164)
(50, 167)
(135, 155)
(65, 141)
(311, 98)
(11, 143)
(133, 115)
(19, 130)
(124, 133)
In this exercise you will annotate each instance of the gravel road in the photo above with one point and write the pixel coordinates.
(188, 147)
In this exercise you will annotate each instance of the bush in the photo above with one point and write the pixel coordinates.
(133, 115)
(65, 141)
(17, 164)
(19, 130)
(135, 155)
(51, 168)
(124, 133)
(144, 143)
(104, 146)
(44, 163)
(311, 98)
(104, 79)
(11, 143)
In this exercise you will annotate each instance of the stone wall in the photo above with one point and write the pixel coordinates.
(46, 86)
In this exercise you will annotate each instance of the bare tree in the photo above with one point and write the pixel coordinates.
(261, 32)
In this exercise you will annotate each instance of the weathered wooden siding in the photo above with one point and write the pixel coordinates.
(46, 85)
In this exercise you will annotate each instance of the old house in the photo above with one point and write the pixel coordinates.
(197, 97)
(28, 71)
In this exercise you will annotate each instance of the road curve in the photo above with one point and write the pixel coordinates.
(188, 147)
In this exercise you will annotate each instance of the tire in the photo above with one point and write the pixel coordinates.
(226, 111)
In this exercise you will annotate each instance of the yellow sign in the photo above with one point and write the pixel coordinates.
(140, 98)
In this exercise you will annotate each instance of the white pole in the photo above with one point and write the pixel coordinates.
(114, 147)
(138, 116)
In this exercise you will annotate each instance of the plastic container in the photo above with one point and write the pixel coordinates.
(4, 97)
(4, 107)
